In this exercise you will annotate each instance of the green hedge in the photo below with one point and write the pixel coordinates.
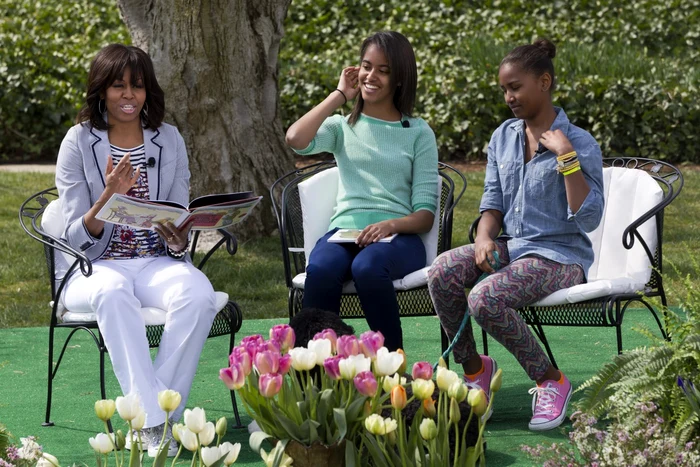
(45, 51)
(626, 72)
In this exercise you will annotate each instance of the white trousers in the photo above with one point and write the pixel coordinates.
(116, 291)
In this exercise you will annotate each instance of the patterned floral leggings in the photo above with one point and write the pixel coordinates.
(494, 300)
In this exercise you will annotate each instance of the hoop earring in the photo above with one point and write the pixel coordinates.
(144, 110)
(101, 106)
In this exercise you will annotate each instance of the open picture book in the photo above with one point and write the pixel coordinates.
(206, 212)
(350, 235)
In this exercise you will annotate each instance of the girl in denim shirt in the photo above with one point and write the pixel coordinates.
(543, 191)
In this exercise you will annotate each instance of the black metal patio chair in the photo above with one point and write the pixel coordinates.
(315, 188)
(31, 214)
(628, 253)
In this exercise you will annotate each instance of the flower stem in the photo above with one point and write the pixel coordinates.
(176, 456)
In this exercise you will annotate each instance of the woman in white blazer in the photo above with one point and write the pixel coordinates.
(121, 145)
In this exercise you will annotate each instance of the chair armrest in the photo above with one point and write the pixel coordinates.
(57, 244)
(227, 238)
(472, 229)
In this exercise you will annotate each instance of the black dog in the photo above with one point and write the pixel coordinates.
(310, 321)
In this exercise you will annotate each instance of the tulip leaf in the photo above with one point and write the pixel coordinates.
(220, 461)
(351, 455)
(162, 456)
(279, 453)
(356, 406)
(313, 430)
(378, 458)
(134, 457)
(288, 426)
(341, 422)
(256, 439)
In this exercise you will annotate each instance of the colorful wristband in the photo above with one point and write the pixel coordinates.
(575, 169)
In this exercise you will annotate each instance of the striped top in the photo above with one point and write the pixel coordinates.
(127, 242)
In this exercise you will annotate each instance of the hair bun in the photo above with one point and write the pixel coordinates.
(547, 46)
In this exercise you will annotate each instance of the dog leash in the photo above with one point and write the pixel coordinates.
(496, 266)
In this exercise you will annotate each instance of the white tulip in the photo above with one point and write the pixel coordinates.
(322, 349)
(390, 425)
(392, 381)
(353, 365)
(445, 378)
(101, 443)
(47, 460)
(302, 359)
(188, 439)
(269, 459)
(138, 421)
(387, 363)
(207, 435)
(169, 400)
(211, 455)
(195, 419)
(231, 451)
(129, 406)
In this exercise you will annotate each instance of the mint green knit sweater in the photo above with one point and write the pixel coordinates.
(386, 171)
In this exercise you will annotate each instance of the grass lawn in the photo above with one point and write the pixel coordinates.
(254, 276)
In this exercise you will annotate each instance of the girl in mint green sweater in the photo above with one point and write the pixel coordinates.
(387, 162)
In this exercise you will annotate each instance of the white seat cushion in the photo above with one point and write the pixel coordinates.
(318, 198)
(151, 315)
(416, 279)
(629, 193)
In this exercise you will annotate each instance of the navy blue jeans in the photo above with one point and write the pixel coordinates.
(373, 268)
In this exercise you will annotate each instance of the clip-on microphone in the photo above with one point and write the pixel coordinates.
(151, 162)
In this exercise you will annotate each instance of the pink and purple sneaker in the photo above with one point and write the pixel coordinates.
(549, 403)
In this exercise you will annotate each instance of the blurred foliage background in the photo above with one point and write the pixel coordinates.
(626, 71)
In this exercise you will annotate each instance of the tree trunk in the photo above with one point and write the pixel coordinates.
(216, 61)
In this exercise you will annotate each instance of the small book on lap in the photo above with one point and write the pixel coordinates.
(204, 213)
(350, 235)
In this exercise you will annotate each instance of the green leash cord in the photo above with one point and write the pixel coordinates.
(496, 267)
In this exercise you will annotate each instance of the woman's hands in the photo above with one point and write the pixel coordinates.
(557, 142)
(375, 232)
(122, 177)
(483, 253)
(174, 238)
(348, 83)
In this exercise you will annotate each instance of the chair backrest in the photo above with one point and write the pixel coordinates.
(285, 196)
(629, 193)
(318, 199)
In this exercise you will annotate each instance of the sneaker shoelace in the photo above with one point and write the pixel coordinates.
(546, 398)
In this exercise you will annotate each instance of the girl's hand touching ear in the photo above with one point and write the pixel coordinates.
(349, 82)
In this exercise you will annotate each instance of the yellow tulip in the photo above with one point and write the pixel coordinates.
(428, 429)
(455, 413)
(169, 400)
(496, 381)
(105, 409)
(221, 426)
(423, 388)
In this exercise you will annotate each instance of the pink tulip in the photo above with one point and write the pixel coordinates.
(267, 361)
(365, 383)
(268, 346)
(241, 356)
(233, 376)
(270, 384)
(330, 335)
(283, 334)
(422, 370)
(285, 364)
(370, 342)
(348, 346)
(251, 343)
(332, 366)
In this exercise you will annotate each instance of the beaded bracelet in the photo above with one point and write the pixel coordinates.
(178, 254)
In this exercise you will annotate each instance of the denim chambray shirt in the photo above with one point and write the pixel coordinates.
(537, 219)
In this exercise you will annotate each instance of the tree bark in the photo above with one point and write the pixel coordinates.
(216, 61)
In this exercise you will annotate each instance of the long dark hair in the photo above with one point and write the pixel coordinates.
(404, 74)
(535, 58)
(109, 65)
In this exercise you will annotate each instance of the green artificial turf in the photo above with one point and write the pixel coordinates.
(580, 352)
